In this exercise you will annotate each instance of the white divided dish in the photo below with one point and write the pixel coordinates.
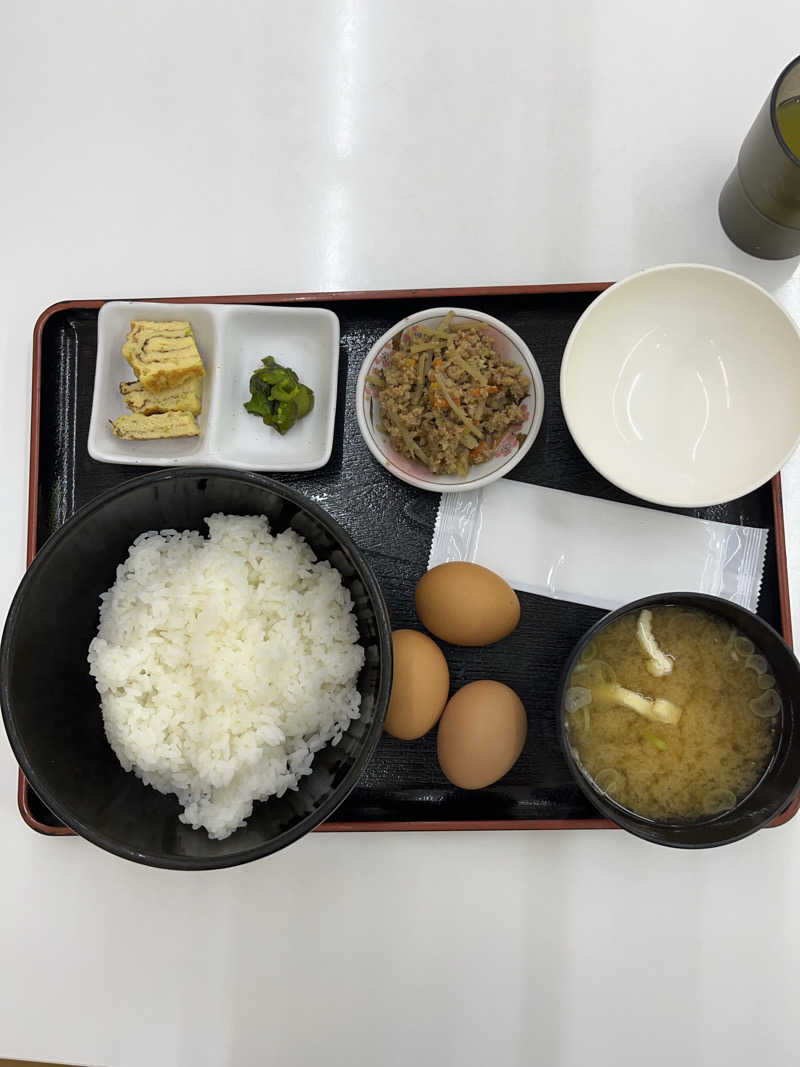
(681, 385)
(232, 340)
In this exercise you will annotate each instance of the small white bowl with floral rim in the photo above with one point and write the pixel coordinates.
(507, 452)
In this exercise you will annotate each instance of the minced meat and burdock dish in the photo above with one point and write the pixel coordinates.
(446, 397)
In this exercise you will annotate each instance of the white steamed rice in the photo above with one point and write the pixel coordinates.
(224, 664)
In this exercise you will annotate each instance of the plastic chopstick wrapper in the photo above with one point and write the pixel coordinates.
(596, 552)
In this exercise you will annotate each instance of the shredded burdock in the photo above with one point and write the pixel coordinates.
(446, 397)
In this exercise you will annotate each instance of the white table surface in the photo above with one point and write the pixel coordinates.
(166, 148)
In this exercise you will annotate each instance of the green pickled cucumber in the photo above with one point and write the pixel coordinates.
(277, 396)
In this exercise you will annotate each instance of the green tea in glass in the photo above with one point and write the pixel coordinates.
(759, 206)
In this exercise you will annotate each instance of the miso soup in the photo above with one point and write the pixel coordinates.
(673, 713)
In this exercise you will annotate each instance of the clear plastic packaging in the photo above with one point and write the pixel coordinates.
(595, 552)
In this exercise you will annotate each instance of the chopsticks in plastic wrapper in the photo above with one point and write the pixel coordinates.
(597, 552)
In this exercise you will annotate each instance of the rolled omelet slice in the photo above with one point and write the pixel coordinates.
(162, 354)
(188, 396)
(155, 427)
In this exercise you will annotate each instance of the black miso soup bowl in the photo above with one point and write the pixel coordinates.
(51, 707)
(779, 783)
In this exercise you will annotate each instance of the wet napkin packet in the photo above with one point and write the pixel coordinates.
(595, 552)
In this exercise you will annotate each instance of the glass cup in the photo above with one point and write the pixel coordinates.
(759, 206)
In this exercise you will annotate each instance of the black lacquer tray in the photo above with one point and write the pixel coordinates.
(403, 788)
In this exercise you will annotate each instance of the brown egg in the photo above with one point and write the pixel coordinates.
(481, 734)
(466, 604)
(420, 684)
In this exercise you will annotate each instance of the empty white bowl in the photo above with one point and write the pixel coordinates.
(232, 340)
(508, 452)
(681, 385)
